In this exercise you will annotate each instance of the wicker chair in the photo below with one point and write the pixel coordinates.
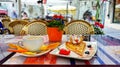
(35, 28)
(16, 26)
(27, 19)
(6, 22)
(79, 27)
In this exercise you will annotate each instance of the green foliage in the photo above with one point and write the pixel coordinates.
(56, 23)
(98, 30)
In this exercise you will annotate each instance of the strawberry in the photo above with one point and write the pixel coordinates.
(64, 52)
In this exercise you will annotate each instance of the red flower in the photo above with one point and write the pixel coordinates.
(101, 25)
(55, 16)
(96, 23)
(58, 17)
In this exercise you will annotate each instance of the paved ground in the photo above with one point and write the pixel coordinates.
(113, 32)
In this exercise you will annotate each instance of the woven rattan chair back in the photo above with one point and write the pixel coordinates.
(6, 22)
(17, 25)
(35, 28)
(79, 27)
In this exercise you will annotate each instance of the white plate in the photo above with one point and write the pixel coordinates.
(76, 56)
(35, 55)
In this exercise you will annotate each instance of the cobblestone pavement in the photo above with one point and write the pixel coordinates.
(112, 32)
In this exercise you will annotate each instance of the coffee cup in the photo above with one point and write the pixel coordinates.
(32, 43)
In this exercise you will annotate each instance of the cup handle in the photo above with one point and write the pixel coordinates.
(20, 43)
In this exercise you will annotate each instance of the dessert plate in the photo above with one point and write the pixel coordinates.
(72, 54)
(34, 55)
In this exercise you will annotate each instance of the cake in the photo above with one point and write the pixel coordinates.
(78, 47)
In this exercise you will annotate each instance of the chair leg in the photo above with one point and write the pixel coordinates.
(5, 31)
(1, 31)
(87, 37)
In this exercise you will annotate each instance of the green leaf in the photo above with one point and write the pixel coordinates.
(56, 23)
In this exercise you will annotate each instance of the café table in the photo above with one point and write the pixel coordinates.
(105, 55)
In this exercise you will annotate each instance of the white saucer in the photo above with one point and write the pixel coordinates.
(34, 55)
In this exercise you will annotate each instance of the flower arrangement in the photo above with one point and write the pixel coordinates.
(57, 21)
(55, 28)
(98, 27)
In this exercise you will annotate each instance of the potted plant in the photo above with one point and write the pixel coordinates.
(98, 27)
(55, 28)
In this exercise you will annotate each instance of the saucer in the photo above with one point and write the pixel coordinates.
(34, 55)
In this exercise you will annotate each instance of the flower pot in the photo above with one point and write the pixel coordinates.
(54, 34)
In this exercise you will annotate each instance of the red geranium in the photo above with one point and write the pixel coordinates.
(55, 16)
(96, 23)
(101, 25)
(58, 17)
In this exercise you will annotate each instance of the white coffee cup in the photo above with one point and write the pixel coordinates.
(32, 43)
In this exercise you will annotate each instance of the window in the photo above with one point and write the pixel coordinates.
(117, 12)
